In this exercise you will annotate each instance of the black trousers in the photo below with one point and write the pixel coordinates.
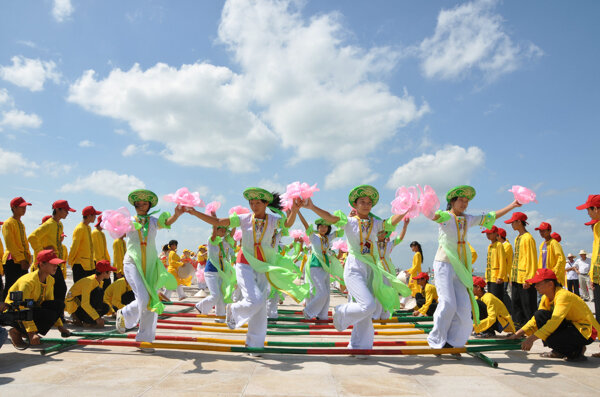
(97, 302)
(573, 286)
(45, 316)
(79, 273)
(421, 301)
(127, 298)
(496, 289)
(597, 301)
(483, 313)
(566, 339)
(507, 300)
(12, 272)
(524, 302)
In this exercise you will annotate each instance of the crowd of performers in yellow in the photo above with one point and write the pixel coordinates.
(245, 280)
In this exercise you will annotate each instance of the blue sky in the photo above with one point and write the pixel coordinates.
(98, 98)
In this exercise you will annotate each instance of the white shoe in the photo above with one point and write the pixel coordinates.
(220, 320)
(120, 322)
(197, 307)
(337, 319)
(229, 317)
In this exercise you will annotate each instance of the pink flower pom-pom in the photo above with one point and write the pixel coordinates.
(406, 201)
(117, 222)
(522, 194)
(299, 190)
(200, 275)
(341, 245)
(297, 233)
(185, 198)
(238, 209)
(429, 202)
(237, 236)
(211, 207)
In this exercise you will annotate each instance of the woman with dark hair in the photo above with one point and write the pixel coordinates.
(257, 263)
(415, 269)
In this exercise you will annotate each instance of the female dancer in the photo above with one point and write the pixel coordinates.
(452, 322)
(415, 269)
(143, 270)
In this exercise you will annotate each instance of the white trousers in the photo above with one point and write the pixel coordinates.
(213, 281)
(317, 304)
(137, 311)
(252, 309)
(379, 313)
(360, 312)
(585, 286)
(452, 322)
(272, 306)
(180, 292)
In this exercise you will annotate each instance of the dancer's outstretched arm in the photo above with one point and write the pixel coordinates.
(211, 220)
(322, 213)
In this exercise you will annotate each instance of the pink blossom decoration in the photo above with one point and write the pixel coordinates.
(185, 198)
(339, 244)
(406, 201)
(522, 194)
(297, 233)
(238, 209)
(299, 190)
(428, 202)
(211, 207)
(237, 236)
(117, 222)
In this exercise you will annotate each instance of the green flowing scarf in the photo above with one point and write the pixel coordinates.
(227, 274)
(146, 223)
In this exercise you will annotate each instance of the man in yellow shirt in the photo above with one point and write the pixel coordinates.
(551, 254)
(508, 257)
(427, 298)
(39, 287)
(118, 295)
(81, 254)
(563, 320)
(17, 256)
(100, 247)
(119, 250)
(524, 297)
(85, 300)
(495, 273)
(493, 314)
(592, 205)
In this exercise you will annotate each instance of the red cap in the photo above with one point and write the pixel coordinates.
(44, 219)
(592, 222)
(544, 226)
(593, 200)
(556, 236)
(478, 281)
(98, 220)
(62, 204)
(18, 202)
(421, 275)
(501, 232)
(517, 216)
(541, 275)
(494, 229)
(49, 256)
(63, 235)
(1, 223)
(104, 266)
(89, 210)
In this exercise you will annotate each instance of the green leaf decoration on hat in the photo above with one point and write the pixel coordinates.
(322, 221)
(461, 191)
(363, 191)
(143, 195)
(257, 193)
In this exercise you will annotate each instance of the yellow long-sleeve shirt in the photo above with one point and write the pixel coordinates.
(595, 268)
(431, 296)
(565, 306)
(33, 288)
(99, 245)
(79, 295)
(524, 258)
(114, 293)
(119, 249)
(175, 263)
(508, 257)
(1, 256)
(47, 235)
(496, 311)
(17, 246)
(82, 247)
(555, 258)
(415, 269)
(496, 263)
(63, 266)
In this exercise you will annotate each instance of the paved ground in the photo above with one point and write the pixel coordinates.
(122, 371)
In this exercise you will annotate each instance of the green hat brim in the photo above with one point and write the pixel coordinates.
(322, 221)
(143, 195)
(461, 191)
(363, 191)
(257, 193)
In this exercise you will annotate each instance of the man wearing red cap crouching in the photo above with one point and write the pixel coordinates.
(427, 297)
(563, 320)
(85, 300)
(493, 314)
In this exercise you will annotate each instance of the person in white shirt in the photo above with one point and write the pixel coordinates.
(572, 274)
(583, 264)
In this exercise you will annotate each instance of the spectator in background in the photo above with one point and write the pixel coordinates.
(583, 264)
(572, 274)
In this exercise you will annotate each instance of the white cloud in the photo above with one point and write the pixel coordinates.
(10, 162)
(272, 185)
(29, 73)
(5, 98)
(132, 150)
(17, 119)
(470, 37)
(86, 143)
(356, 171)
(450, 166)
(62, 10)
(56, 169)
(120, 184)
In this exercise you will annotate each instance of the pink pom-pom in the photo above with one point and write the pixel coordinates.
(117, 222)
(211, 207)
(200, 275)
(341, 245)
(237, 236)
(297, 233)
(299, 190)
(238, 209)
(429, 202)
(286, 205)
(185, 198)
(406, 201)
(522, 194)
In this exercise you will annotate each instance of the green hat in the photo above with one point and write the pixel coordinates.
(461, 191)
(322, 221)
(363, 191)
(143, 195)
(256, 193)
